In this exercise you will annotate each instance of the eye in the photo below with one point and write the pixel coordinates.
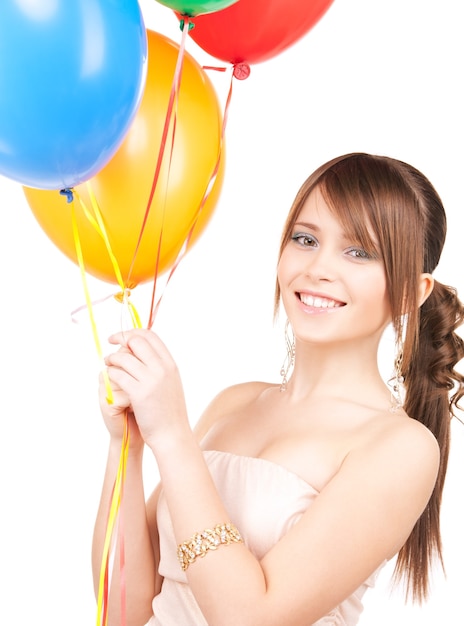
(305, 240)
(359, 253)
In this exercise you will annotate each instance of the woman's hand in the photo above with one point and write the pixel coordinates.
(145, 375)
(114, 410)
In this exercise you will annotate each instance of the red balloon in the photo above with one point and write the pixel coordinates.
(251, 31)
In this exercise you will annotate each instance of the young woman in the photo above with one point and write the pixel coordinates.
(287, 499)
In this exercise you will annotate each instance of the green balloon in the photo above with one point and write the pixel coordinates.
(190, 8)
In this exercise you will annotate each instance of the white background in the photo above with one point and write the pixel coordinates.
(372, 75)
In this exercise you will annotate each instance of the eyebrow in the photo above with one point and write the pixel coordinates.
(345, 237)
(308, 225)
(317, 229)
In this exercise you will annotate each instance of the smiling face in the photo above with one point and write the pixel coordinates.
(333, 289)
(382, 204)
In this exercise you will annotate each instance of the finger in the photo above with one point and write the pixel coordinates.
(118, 340)
(145, 346)
(140, 340)
(121, 338)
(135, 336)
(103, 386)
(128, 379)
(122, 385)
(130, 364)
(122, 349)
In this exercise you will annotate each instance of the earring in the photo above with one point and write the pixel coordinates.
(397, 391)
(289, 360)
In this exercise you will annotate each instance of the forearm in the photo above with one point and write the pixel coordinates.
(229, 583)
(139, 565)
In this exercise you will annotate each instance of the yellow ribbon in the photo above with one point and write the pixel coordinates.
(96, 219)
(116, 500)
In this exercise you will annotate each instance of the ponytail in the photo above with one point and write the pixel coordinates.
(433, 391)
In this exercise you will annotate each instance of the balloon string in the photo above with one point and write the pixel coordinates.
(158, 254)
(172, 98)
(155, 305)
(118, 487)
(160, 240)
(84, 306)
(122, 552)
(102, 231)
(115, 513)
(93, 325)
(96, 220)
(214, 67)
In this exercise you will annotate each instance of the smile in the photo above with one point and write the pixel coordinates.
(319, 302)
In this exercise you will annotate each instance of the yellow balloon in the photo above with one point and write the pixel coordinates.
(122, 188)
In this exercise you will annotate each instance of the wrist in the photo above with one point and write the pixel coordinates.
(170, 441)
(135, 448)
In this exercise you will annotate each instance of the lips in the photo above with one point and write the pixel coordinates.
(319, 302)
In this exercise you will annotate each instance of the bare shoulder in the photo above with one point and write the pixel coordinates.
(229, 401)
(402, 455)
(405, 438)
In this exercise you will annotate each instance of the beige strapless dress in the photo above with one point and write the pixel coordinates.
(263, 500)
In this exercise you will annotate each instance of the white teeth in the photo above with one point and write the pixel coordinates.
(317, 302)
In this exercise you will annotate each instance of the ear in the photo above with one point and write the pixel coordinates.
(426, 283)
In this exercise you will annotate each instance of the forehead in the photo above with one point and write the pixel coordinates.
(316, 212)
(350, 220)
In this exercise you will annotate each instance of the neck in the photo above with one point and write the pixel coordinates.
(344, 370)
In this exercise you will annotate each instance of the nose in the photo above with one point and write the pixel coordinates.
(321, 265)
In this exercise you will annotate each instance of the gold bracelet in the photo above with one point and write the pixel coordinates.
(209, 539)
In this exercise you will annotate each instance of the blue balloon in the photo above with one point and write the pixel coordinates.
(72, 74)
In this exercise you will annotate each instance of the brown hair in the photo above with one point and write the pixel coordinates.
(406, 215)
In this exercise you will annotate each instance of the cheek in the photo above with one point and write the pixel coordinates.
(281, 267)
(376, 291)
(285, 267)
(284, 276)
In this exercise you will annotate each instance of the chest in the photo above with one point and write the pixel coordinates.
(310, 442)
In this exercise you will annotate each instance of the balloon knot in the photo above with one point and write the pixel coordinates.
(68, 193)
(122, 296)
(241, 71)
(190, 24)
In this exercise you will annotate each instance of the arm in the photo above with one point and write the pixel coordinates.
(140, 566)
(360, 519)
